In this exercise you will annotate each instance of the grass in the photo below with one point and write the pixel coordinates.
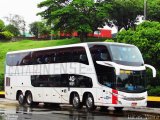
(29, 44)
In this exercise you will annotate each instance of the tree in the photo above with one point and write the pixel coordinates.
(153, 10)
(1, 25)
(6, 35)
(39, 28)
(124, 12)
(12, 29)
(18, 21)
(83, 16)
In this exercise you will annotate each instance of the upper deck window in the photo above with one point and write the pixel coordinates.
(61, 55)
(100, 53)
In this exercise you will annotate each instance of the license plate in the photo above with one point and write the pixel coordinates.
(134, 104)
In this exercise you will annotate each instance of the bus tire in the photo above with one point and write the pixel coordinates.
(76, 101)
(118, 108)
(90, 102)
(21, 98)
(29, 98)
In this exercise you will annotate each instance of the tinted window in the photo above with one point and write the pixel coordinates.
(80, 81)
(105, 74)
(46, 81)
(64, 55)
(43, 57)
(25, 59)
(100, 53)
(18, 59)
(71, 54)
(63, 80)
(79, 55)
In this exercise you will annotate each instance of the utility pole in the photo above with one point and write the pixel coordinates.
(145, 9)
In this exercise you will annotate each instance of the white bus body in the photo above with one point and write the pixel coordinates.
(88, 74)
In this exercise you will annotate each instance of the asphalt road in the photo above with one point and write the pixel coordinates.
(10, 110)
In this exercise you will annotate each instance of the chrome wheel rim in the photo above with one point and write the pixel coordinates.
(21, 98)
(29, 99)
(75, 101)
(89, 102)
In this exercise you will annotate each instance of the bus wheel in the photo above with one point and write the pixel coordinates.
(76, 101)
(90, 103)
(29, 99)
(118, 108)
(20, 98)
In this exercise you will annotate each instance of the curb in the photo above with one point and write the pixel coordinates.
(2, 94)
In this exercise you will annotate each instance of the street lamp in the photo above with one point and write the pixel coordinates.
(145, 9)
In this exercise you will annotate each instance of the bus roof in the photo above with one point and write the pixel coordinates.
(70, 45)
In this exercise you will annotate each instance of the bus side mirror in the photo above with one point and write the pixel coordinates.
(152, 68)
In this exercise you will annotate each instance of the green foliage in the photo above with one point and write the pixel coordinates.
(154, 91)
(1, 81)
(1, 25)
(18, 21)
(153, 10)
(109, 40)
(6, 35)
(124, 12)
(83, 16)
(39, 29)
(12, 29)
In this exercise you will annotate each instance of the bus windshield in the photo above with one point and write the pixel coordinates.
(126, 55)
(131, 81)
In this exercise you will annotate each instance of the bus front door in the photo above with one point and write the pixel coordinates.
(107, 95)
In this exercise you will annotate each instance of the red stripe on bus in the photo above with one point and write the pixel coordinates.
(114, 96)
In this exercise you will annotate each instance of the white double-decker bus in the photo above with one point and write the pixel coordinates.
(92, 74)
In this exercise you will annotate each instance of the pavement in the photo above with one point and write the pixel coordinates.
(147, 110)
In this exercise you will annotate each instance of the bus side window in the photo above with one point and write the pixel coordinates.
(79, 55)
(64, 80)
(80, 81)
(57, 57)
(47, 59)
(24, 58)
(10, 60)
(100, 53)
(85, 82)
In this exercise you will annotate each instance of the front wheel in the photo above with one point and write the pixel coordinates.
(90, 103)
(76, 101)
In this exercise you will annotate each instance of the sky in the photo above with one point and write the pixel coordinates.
(25, 8)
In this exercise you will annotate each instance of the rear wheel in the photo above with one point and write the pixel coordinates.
(76, 101)
(20, 98)
(29, 99)
(90, 103)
